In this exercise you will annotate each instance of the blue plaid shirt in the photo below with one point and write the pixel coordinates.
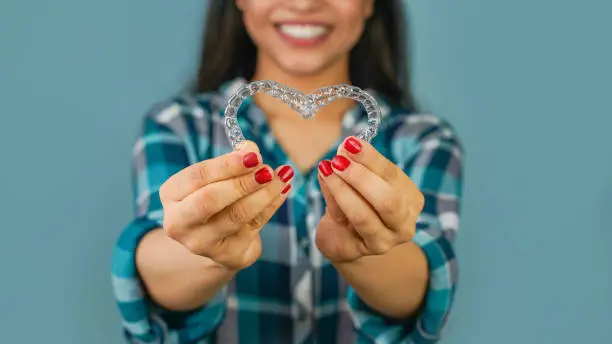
(292, 294)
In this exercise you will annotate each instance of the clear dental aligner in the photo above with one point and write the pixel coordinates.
(306, 105)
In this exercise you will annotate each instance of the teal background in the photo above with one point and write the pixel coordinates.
(525, 83)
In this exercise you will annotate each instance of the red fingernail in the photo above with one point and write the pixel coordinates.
(352, 145)
(286, 189)
(285, 173)
(250, 160)
(340, 162)
(326, 168)
(263, 176)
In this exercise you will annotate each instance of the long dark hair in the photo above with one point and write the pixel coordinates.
(379, 60)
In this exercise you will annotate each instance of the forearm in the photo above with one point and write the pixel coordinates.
(394, 284)
(175, 278)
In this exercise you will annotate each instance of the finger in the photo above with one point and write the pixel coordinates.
(273, 207)
(365, 154)
(389, 204)
(207, 201)
(378, 239)
(246, 211)
(227, 166)
(332, 206)
(216, 237)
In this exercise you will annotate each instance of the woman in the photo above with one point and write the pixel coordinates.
(306, 234)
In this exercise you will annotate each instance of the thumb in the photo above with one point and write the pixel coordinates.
(248, 146)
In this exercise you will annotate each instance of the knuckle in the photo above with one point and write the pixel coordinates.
(232, 261)
(380, 246)
(257, 222)
(205, 244)
(272, 194)
(216, 249)
(193, 244)
(242, 261)
(241, 184)
(414, 206)
(276, 204)
(273, 190)
(238, 214)
(171, 227)
(201, 173)
(332, 247)
(249, 260)
(389, 205)
(240, 251)
(204, 205)
(405, 235)
(420, 201)
(228, 264)
(226, 164)
(163, 192)
(390, 172)
(360, 220)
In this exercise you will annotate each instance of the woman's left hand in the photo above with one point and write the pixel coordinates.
(372, 205)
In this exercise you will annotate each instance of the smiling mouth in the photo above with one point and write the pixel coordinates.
(303, 34)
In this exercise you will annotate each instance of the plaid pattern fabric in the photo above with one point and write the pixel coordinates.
(292, 294)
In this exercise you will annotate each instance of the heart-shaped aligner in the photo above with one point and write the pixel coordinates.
(307, 105)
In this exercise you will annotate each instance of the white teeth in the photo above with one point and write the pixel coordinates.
(303, 31)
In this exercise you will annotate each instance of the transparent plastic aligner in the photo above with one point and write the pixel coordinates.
(306, 105)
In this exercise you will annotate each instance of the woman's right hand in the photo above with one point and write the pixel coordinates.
(216, 208)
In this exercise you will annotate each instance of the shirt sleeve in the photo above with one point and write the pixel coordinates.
(435, 165)
(163, 148)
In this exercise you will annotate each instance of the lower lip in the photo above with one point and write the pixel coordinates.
(302, 42)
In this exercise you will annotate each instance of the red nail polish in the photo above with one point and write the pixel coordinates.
(286, 189)
(326, 168)
(340, 162)
(250, 160)
(285, 173)
(263, 176)
(352, 145)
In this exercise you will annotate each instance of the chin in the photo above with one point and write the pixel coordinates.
(302, 65)
(302, 69)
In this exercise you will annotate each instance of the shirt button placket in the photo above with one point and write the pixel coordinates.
(311, 214)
